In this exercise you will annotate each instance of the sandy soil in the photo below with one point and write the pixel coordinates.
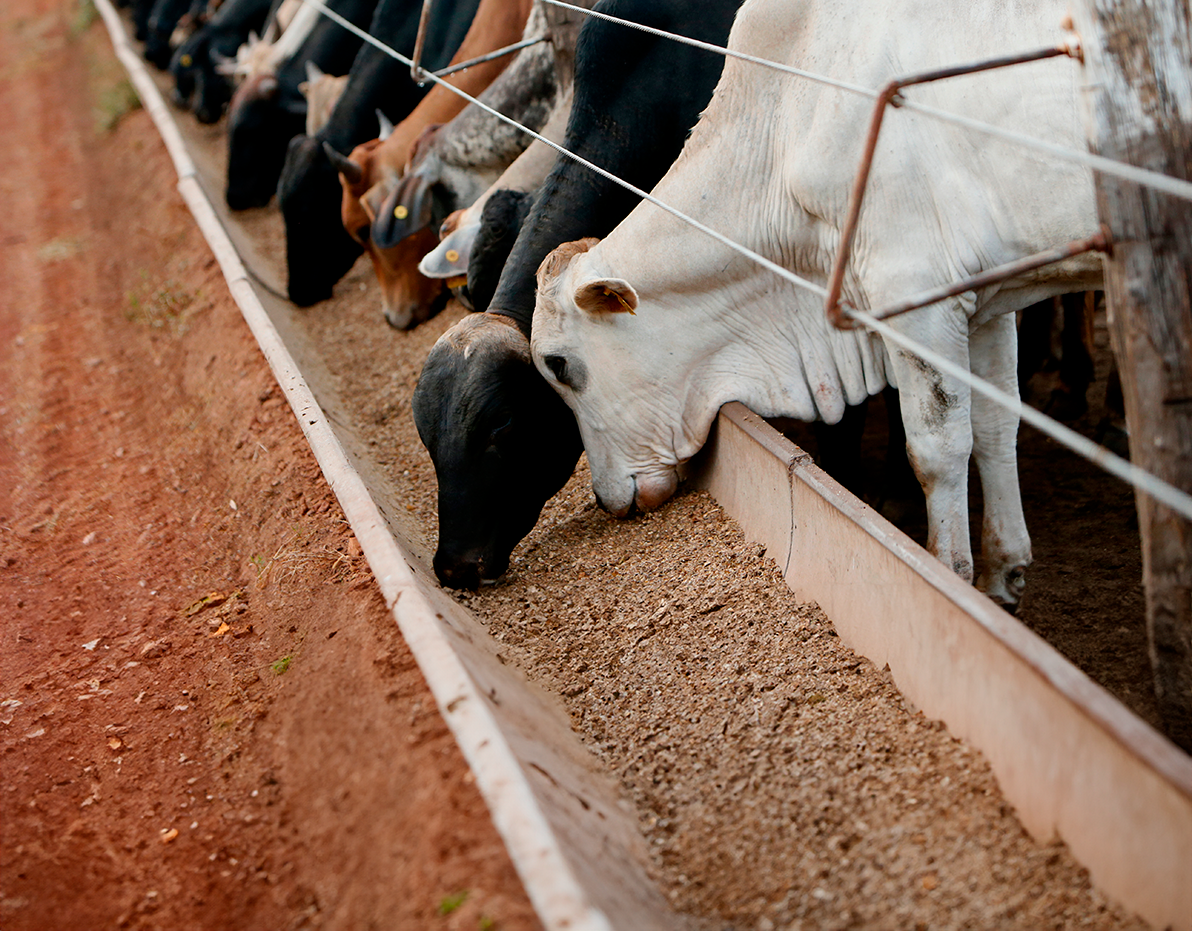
(207, 718)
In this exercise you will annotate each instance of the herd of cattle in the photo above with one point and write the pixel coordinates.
(603, 322)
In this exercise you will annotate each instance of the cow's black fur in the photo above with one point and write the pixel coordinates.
(162, 20)
(636, 99)
(196, 82)
(500, 222)
(260, 127)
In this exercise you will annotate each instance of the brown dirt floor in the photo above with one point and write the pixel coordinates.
(207, 718)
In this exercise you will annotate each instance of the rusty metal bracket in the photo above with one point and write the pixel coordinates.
(890, 96)
(417, 73)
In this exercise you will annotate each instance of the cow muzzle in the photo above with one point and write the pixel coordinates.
(653, 490)
(466, 571)
(648, 493)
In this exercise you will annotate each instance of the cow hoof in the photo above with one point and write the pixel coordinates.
(1006, 591)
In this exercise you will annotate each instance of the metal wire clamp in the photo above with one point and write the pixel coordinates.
(419, 74)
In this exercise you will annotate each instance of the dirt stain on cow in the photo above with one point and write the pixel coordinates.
(938, 402)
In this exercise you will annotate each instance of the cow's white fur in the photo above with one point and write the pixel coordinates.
(770, 164)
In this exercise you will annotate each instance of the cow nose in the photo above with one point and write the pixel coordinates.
(654, 490)
(458, 572)
(629, 510)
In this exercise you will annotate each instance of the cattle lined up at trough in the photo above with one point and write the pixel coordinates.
(374, 169)
(318, 249)
(615, 318)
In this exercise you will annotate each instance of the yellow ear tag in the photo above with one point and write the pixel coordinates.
(624, 303)
(186, 61)
(401, 212)
(452, 256)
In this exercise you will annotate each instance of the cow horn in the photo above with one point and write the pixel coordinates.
(344, 165)
(385, 124)
(223, 64)
(313, 71)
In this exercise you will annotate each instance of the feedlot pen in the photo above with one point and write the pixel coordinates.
(737, 764)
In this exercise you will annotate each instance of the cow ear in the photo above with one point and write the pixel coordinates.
(554, 263)
(372, 201)
(606, 296)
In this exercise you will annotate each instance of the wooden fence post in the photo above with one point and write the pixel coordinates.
(1138, 62)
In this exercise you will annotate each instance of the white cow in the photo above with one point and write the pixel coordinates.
(646, 334)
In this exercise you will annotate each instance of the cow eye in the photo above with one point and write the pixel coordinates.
(501, 433)
(557, 365)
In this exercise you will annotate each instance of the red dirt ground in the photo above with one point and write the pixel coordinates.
(207, 717)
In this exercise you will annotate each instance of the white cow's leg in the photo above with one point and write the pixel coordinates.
(935, 411)
(1005, 545)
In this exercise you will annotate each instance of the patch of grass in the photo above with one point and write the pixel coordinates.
(487, 923)
(291, 562)
(115, 104)
(281, 665)
(164, 308)
(85, 15)
(452, 902)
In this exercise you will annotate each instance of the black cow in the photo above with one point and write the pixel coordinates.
(501, 440)
(318, 250)
(196, 82)
(141, 11)
(500, 223)
(162, 20)
(269, 110)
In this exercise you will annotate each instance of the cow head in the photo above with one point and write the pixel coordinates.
(367, 179)
(196, 83)
(621, 373)
(408, 297)
(500, 223)
(259, 123)
(318, 251)
(501, 441)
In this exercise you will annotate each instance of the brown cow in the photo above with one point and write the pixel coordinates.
(407, 300)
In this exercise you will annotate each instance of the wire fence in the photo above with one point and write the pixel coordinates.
(1178, 500)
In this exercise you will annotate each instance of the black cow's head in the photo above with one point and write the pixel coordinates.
(501, 440)
(184, 66)
(261, 122)
(318, 250)
(500, 222)
(162, 21)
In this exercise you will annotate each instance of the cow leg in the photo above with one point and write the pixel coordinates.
(935, 412)
(1005, 544)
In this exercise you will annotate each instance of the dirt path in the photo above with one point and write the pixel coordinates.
(207, 718)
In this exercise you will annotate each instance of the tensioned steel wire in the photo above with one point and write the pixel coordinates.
(1162, 491)
(1109, 166)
